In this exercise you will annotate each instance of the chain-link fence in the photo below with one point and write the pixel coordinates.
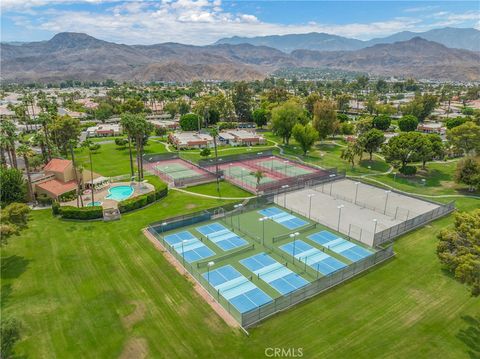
(412, 223)
(317, 286)
(226, 214)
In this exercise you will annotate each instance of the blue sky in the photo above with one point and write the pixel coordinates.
(205, 21)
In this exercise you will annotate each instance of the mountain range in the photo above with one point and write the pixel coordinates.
(82, 57)
(461, 38)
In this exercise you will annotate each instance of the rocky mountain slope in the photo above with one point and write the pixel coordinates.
(466, 38)
(82, 57)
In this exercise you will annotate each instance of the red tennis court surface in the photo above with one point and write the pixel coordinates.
(276, 172)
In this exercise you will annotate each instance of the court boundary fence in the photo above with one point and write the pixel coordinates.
(279, 304)
(413, 220)
(319, 285)
(412, 223)
(201, 178)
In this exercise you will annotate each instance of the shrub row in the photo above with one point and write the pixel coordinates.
(71, 212)
(141, 201)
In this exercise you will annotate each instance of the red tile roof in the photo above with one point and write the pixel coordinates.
(56, 187)
(57, 165)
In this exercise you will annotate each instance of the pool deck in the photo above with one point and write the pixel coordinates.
(100, 196)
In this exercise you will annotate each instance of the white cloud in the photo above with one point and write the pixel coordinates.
(445, 18)
(192, 21)
(421, 8)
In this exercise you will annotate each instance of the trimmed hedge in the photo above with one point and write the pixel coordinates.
(141, 201)
(71, 212)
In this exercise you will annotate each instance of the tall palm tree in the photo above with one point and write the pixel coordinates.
(214, 134)
(7, 130)
(26, 152)
(88, 144)
(128, 124)
(72, 144)
(45, 119)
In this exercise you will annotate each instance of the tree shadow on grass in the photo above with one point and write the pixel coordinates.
(13, 266)
(471, 335)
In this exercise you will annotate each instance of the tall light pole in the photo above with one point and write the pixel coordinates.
(386, 201)
(263, 219)
(394, 176)
(209, 264)
(285, 186)
(310, 204)
(339, 216)
(183, 253)
(162, 226)
(285, 162)
(238, 216)
(356, 191)
(375, 228)
(294, 236)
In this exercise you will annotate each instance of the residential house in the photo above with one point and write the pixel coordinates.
(185, 140)
(104, 130)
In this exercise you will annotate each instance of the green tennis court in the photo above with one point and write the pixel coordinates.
(176, 170)
(286, 168)
(245, 175)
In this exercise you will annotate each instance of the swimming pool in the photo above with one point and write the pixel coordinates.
(96, 203)
(119, 193)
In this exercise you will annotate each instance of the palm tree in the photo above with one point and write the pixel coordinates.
(128, 124)
(26, 152)
(45, 119)
(214, 134)
(89, 145)
(72, 144)
(7, 131)
(258, 176)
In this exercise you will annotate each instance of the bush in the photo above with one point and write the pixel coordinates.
(408, 123)
(141, 201)
(69, 196)
(160, 131)
(71, 212)
(133, 203)
(454, 122)
(347, 128)
(382, 122)
(227, 125)
(13, 186)
(121, 142)
(341, 117)
(56, 208)
(44, 200)
(408, 170)
(189, 122)
(7, 230)
(9, 334)
(16, 213)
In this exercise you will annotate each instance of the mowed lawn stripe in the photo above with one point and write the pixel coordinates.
(74, 284)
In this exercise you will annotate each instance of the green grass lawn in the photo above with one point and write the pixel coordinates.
(327, 155)
(226, 190)
(438, 176)
(106, 138)
(111, 160)
(93, 289)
